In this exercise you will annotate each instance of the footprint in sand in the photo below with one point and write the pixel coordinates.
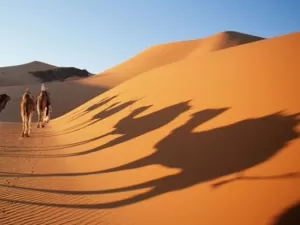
(7, 182)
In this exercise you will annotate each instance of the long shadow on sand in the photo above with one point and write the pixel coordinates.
(290, 216)
(109, 111)
(104, 101)
(202, 156)
(129, 127)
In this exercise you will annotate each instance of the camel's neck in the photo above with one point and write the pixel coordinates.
(2, 105)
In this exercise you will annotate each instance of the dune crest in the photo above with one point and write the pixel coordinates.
(164, 54)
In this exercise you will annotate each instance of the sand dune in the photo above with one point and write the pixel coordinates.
(161, 55)
(19, 75)
(151, 58)
(210, 141)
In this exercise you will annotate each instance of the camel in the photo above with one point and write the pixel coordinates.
(4, 99)
(27, 110)
(43, 108)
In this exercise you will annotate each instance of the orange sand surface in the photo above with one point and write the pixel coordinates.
(205, 139)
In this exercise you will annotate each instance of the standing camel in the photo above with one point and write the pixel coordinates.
(27, 110)
(43, 107)
(4, 99)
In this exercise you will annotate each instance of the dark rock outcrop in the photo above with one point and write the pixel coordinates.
(60, 74)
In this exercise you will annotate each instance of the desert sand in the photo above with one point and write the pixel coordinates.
(82, 90)
(204, 138)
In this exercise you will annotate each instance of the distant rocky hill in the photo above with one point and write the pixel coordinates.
(60, 74)
(36, 72)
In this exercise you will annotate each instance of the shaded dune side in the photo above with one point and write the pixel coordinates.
(160, 55)
(19, 74)
(290, 216)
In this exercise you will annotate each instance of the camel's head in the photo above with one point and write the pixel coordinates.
(5, 97)
(27, 94)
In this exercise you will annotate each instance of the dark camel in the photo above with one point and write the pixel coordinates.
(4, 99)
(43, 106)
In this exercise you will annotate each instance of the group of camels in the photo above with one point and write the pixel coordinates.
(28, 106)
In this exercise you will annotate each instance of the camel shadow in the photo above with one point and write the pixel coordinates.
(131, 127)
(201, 156)
(109, 111)
(208, 155)
(92, 107)
(289, 217)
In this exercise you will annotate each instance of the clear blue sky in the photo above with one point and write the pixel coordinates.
(99, 34)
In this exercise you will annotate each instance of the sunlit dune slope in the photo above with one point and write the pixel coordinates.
(19, 75)
(210, 141)
(185, 127)
(164, 54)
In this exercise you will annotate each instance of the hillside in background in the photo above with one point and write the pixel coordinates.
(38, 72)
(61, 74)
(20, 74)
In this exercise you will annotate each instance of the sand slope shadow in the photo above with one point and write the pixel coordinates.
(131, 127)
(289, 217)
(109, 111)
(104, 101)
(206, 155)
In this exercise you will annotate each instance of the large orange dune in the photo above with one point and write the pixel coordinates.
(164, 54)
(208, 139)
(84, 89)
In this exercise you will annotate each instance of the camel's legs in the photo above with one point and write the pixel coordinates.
(26, 125)
(23, 129)
(43, 119)
(23, 126)
(29, 125)
(39, 118)
(49, 114)
(48, 117)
